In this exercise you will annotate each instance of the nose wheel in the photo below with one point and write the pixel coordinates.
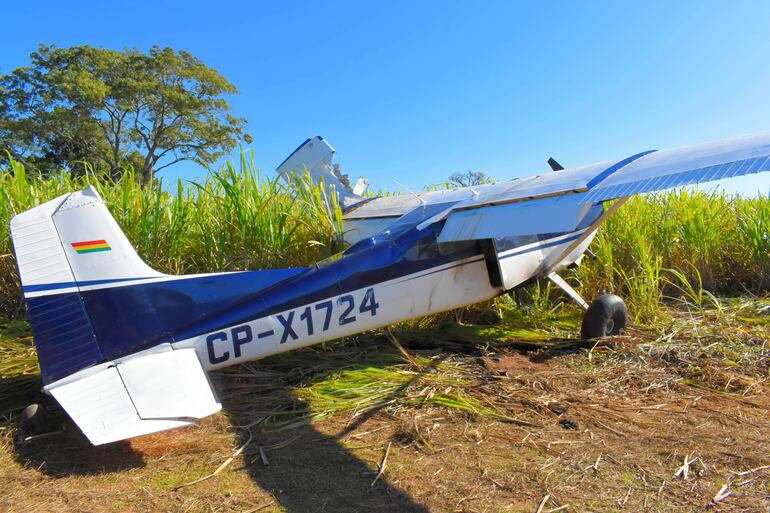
(607, 315)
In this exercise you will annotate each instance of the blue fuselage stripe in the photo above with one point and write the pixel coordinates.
(545, 245)
(536, 247)
(70, 284)
(441, 270)
(138, 316)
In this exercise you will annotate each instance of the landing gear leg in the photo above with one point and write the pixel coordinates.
(607, 315)
(563, 285)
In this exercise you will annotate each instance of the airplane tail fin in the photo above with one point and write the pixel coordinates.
(61, 246)
(315, 155)
(67, 245)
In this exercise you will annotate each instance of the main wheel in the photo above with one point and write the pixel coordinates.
(607, 315)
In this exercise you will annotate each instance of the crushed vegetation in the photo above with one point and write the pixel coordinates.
(671, 416)
(491, 408)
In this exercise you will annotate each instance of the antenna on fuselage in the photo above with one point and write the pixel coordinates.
(410, 191)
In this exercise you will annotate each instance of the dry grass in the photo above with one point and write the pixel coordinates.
(611, 427)
(503, 416)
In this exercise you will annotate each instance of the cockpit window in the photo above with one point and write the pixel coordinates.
(422, 250)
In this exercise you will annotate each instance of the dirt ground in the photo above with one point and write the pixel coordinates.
(633, 423)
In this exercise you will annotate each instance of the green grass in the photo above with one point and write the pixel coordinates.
(235, 219)
(680, 246)
(351, 382)
(670, 244)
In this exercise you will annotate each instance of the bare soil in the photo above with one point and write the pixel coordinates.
(632, 423)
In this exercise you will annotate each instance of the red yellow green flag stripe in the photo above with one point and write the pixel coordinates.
(91, 246)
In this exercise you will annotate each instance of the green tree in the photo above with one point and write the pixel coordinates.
(116, 108)
(470, 178)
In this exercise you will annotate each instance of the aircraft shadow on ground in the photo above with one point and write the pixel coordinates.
(312, 471)
(69, 453)
(308, 470)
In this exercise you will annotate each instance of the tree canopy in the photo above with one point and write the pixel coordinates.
(115, 109)
(469, 178)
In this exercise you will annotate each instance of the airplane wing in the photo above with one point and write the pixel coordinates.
(561, 200)
(373, 215)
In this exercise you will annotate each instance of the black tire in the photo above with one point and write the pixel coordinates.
(33, 419)
(607, 315)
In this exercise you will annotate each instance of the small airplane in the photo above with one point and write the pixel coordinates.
(125, 350)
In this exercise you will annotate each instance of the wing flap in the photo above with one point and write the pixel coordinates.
(547, 215)
(557, 202)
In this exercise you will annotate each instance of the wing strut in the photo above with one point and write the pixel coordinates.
(551, 263)
(563, 285)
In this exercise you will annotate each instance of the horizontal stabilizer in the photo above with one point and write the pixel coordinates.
(142, 394)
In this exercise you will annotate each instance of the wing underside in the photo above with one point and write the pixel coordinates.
(561, 200)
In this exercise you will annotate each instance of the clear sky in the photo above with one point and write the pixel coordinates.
(417, 90)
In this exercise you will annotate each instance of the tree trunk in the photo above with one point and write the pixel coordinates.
(147, 172)
(29, 166)
(116, 171)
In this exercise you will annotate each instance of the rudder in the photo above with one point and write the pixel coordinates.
(67, 245)
(62, 245)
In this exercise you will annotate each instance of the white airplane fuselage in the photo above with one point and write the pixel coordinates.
(454, 284)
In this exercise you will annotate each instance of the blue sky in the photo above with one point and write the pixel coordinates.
(414, 91)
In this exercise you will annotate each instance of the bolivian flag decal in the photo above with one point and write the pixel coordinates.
(91, 246)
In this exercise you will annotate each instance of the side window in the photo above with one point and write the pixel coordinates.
(422, 250)
(506, 243)
(464, 248)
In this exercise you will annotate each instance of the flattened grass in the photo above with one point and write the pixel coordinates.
(19, 370)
